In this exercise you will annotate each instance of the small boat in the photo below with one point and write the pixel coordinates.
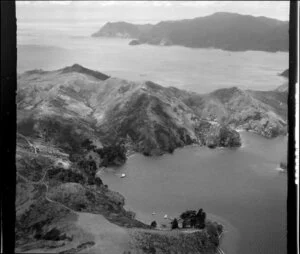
(153, 213)
(166, 216)
(123, 175)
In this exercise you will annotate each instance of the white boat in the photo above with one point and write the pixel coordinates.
(166, 216)
(123, 175)
(153, 213)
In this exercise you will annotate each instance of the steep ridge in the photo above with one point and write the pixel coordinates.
(147, 117)
(80, 69)
(222, 30)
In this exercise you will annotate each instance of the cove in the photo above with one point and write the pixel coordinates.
(240, 188)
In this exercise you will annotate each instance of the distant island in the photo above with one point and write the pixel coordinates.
(222, 30)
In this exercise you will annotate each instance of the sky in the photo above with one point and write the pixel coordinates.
(141, 11)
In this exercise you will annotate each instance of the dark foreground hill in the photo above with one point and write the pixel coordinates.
(222, 30)
(62, 206)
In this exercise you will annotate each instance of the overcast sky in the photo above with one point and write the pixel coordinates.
(142, 11)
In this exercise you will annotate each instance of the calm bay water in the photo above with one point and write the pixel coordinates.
(201, 70)
(240, 188)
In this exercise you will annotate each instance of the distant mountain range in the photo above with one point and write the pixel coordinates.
(222, 30)
(149, 118)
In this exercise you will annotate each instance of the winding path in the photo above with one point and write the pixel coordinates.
(29, 143)
(109, 237)
(47, 188)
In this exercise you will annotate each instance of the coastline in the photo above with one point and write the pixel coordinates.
(229, 241)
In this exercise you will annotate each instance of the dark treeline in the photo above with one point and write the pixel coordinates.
(193, 219)
(113, 155)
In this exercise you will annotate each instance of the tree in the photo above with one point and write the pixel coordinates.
(193, 221)
(199, 212)
(88, 144)
(174, 224)
(188, 214)
(91, 180)
(184, 223)
(98, 181)
(200, 219)
(112, 155)
(89, 167)
(153, 224)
